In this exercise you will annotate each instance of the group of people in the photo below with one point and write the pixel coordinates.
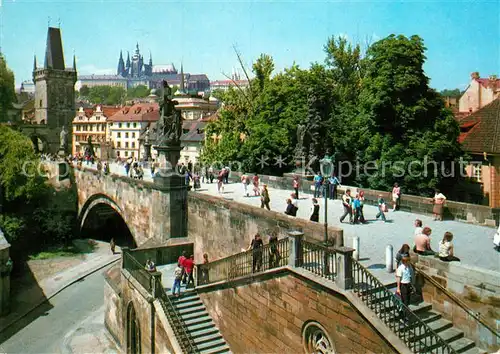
(257, 248)
(323, 185)
(183, 273)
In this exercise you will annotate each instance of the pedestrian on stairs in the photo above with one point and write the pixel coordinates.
(404, 276)
(188, 268)
(177, 280)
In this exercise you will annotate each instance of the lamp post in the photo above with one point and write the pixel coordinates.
(326, 170)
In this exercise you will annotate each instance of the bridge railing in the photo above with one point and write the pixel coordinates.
(244, 263)
(138, 271)
(162, 255)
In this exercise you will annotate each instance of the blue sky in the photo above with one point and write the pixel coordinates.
(460, 36)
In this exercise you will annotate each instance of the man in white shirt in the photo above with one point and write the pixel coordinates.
(404, 275)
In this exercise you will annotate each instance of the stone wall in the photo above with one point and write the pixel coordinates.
(269, 317)
(222, 227)
(453, 210)
(113, 311)
(478, 289)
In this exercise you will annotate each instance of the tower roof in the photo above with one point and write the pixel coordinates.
(54, 57)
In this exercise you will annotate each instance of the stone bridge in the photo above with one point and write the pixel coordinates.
(150, 209)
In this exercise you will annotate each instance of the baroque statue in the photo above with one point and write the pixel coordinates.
(170, 124)
(146, 136)
(63, 139)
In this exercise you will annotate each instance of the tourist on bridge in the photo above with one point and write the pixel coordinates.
(404, 277)
(382, 208)
(296, 185)
(403, 252)
(274, 254)
(396, 195)
(255, 181)
(245, 181)
(423, 243)
(290, 208)
(196, 181)
(295, 203)
(112, 245)
(204, 279)
(188, 269)
(227, 170)
(356, 206)
(438, 210)
(220, 181)
(177, 280)
(264, 197)
(361, 198)
(256, 246)
(446, 248)
(318, 183)
(334, 183)
(211, 175)
(314, 210)
(496, 239)
(180, 261)
(346, 203)
(418, 227)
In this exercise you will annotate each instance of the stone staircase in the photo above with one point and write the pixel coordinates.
(199, 325)
(444, 328)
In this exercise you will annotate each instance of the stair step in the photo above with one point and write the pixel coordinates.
(185, 297)
(212, 344)
(429, 316)
(188, 304)
(440, 325)
(463, 345)
(193, 315)
(201, 327)
(421, 307)
(449, 335)
(198, 320)
(204, 332)
(217, 350)
(190, 309)
(207, 338)
(474, 350)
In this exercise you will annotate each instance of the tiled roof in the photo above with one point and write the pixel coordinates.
(487, 82)
(195, 133)
(101, 77)
(140, 112)
(480, 131)
(107, 111)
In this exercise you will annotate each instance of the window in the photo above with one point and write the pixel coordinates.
(126, 153)
(132, 154)
(118, 144)
(118, 153)
(477, 172)
(126, 144)
(126, 135)
(118, 135)
(128, 125)
(135, 125)
(133, 145)
(40, 104)
(119, 125)
(133, 135)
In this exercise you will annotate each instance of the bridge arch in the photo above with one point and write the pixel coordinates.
(102, 218)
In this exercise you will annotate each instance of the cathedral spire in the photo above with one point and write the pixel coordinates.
(74, 62)
(34, 63)
(182, 80)
(121, 65)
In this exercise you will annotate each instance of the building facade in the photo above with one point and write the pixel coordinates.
(90, 125)
(479, 93)
(126, 125)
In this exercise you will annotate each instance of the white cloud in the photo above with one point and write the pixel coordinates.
(92, 69)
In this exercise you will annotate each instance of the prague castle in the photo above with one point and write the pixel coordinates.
(135, 71)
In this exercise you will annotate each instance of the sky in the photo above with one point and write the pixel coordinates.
(461, 36)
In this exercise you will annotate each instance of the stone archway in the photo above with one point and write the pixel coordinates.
(133, 331)
(101, 218)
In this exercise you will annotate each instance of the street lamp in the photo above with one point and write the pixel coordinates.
(326, 170)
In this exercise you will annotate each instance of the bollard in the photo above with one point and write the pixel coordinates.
(355, 245)
(389, 263)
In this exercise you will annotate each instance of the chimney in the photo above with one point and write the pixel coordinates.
(474, 75)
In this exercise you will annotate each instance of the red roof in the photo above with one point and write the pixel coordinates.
(107, 111)
(140, 112)
(487, 82)
(480, 131)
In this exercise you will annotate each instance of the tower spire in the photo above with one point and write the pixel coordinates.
(74, 61)
(34, 62)
(181, 89)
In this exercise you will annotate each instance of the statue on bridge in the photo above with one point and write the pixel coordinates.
(63, 139)
(170, 124)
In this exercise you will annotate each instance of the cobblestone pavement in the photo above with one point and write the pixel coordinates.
(473, 243)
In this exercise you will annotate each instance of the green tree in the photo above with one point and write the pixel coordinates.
(7, 91)
(451, 93)
(402, 119)
(84, 91)
(108, 95)
(139, 91)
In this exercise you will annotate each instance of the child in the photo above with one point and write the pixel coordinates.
(381, 208)
(177, 280)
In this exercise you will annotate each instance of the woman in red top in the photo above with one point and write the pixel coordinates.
(188, 268)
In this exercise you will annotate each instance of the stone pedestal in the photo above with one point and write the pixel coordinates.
(344, 278)
(295, 248)
(147, 151)
(5, 270)
(173, 200)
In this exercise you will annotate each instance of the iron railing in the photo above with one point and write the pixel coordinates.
(178, 325)
(138, 271)
(244, 263)
(415, 333)
(319, 260)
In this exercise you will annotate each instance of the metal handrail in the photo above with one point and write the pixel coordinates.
(138, 272)
(314, 254)
(178, 324)
(242, 264)
(416, 334)
(459, 302)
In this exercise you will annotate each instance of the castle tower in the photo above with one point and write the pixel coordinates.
(127, 66)
(54, 85)
(121, 66)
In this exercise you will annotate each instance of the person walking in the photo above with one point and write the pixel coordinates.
(188, 267)
(220, 181)
(446, 249)
(361, 205)
(295, 203)
(296, 185)
(274, 254)
(256, 246)
(177, 281)
(290, 208)
(382, 208)
(314, 211)
(204, 279)
(180, 261)
(211, 174)
(404, 276)
(356, 205)
(438, 209)
(112, 245)
(404, 251)
(255, 181)
(318, 182)
(264, 197)
(346, 203)
(245, 181)
(396, 194)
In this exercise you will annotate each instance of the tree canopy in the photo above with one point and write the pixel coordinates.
(370, 108)
(7, 91)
